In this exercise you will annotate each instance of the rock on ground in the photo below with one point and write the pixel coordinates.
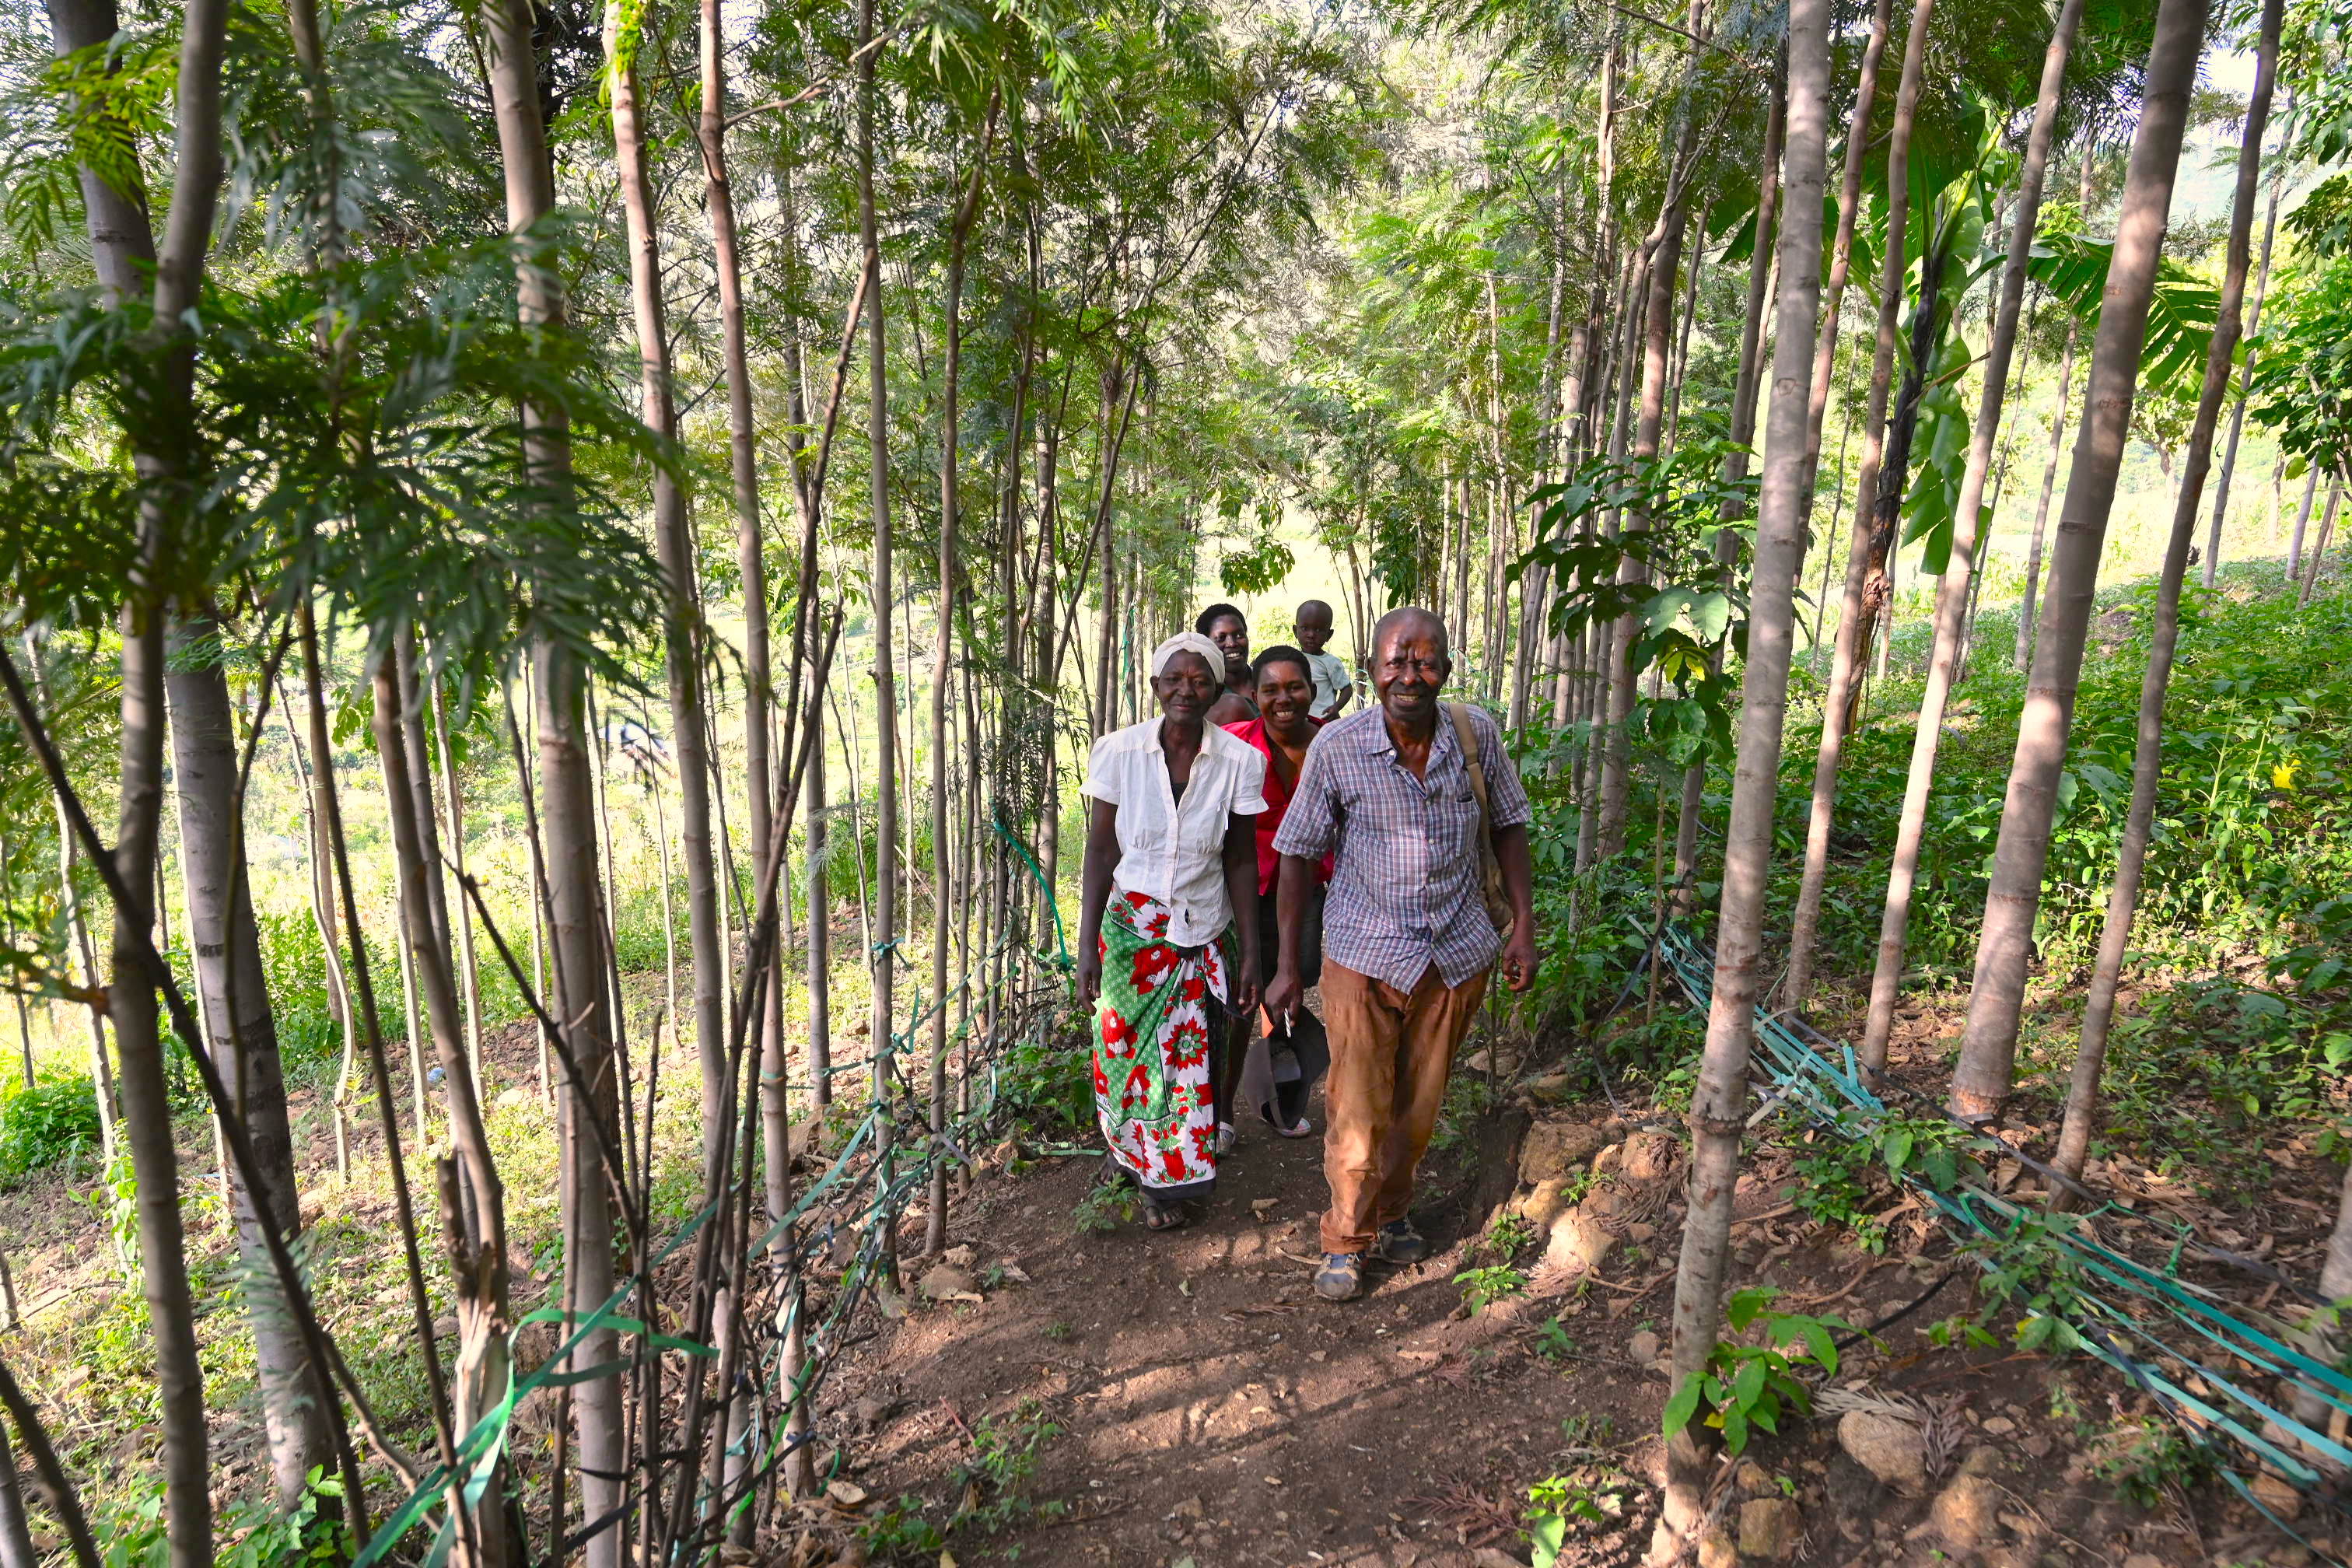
(1554, 1149)
(1769, 1528)
(1889, 1448)
(1965, 1513)
(1578, 1243)
(944, 1282)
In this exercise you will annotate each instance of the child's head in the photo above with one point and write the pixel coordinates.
(1312, 626)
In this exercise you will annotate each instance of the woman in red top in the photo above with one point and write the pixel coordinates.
(1282, 1063)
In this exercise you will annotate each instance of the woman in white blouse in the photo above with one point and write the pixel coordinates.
(1168, 926)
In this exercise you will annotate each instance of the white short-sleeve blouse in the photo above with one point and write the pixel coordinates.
(1170, 851)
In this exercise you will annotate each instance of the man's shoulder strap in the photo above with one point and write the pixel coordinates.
(1468, 736)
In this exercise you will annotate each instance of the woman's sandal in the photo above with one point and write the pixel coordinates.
(1164, 1217)
(1302, 1128)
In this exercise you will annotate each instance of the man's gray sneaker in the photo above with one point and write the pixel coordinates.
(1398, 1242)
(1342, 1278)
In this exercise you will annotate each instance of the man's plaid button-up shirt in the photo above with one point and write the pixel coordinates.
(1405, 892)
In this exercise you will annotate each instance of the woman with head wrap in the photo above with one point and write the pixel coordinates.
(1168, 941)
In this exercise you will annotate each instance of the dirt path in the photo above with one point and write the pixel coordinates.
(1212, 1406)
(1206, 1409)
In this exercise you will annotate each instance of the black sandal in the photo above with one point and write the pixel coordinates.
(1157, 1216)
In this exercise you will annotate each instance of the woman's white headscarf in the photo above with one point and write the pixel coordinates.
(1190, 642)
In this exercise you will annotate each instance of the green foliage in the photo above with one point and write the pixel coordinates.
(1508, 1236)
(1553, 1342)
(1689, 606)
(1003, 1461)
(2030, 1268)
(1466, 1101)
(1743, 1387)
(1257, 569)
(2148, 1460)
(1856, 1166)
(2180, 317)
(1042, 1087)
(1558, 1504)
(115, 1202)
(2298, 385)
(53, 1120)
(899, 1533)
(294, 960)
(1483, 1287)
(1592, 1493)
(1104, 1208)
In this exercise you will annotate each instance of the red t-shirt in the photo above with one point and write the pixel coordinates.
(1278, 801)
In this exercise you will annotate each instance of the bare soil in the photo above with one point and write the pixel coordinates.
(1212, 1411)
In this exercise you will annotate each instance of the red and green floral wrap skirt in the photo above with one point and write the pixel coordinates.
(1160, 1021)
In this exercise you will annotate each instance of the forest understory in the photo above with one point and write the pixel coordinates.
(562, 565)
(1058, 1368)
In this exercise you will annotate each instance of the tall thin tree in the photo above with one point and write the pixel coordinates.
(1845, 659)
(674, 546)
(568, 809)
(1980, 1084)
(160, 449)
(2246, 374)
(942, 658)
(1718, 1106)
(1952, 594)
(884, 952)
(2164, 634)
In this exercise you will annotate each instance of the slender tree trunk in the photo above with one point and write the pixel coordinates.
(576, 943)
(2319, 545)
(1681, 372)
(469, 979)
(2164, 638)
(1657, 341)
(2027, 613)
(420, 781)
(146, 1098)
(943, 656)
(235, 995)
(309, 759)
(2302, 522)
(1849, 211)
(1743, 434)
(682, 642)
(2245, 376)
(1893, 476)
(119, 240)
(1718, 1107)
(759, 671)
(885, 685)
(8, 939)
(110, 1112)
(1989, 1046)
(474, 1225)
(1952, 595)
(1845, 661)
(15, 1528)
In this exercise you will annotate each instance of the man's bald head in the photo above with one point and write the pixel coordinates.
(1423, 625)
(1410, 664)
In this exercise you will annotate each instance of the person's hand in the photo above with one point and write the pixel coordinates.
(1089, 974)
(1245, 993)
(1284, 995)
(1519, 956)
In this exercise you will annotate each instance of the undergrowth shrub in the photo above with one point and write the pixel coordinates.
(295, 961)
(53, 1120)
(1045, 1085)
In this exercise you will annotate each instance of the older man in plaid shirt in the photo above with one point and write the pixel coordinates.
(1407, 939)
